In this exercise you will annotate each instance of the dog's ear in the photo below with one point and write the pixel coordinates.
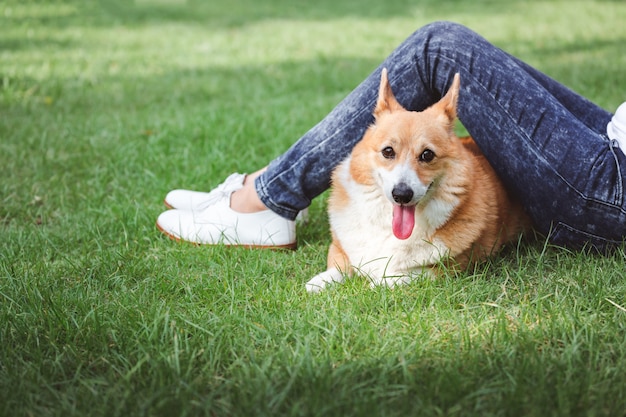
(448, 103)
(387, 102)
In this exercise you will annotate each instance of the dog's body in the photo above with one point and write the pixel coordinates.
(412, 195)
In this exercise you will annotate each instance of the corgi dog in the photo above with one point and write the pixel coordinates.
(413, 196)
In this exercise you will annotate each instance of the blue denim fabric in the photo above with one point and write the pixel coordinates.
(547, 143)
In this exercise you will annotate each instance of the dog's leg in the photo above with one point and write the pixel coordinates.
(338, 266)
(321, 280)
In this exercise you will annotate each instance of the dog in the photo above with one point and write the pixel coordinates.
(412, 197)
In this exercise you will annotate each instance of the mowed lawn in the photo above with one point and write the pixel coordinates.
(105, 105)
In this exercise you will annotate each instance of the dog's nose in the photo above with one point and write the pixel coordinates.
(402, 193)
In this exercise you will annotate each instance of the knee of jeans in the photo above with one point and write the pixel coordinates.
(445, 31)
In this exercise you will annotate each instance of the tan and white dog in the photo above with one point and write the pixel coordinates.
(412, 196)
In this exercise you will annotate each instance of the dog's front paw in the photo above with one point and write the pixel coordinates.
(321, 280)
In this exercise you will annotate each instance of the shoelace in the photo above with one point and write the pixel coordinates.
(232, 183)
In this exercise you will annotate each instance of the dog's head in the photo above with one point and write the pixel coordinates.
(408, 151)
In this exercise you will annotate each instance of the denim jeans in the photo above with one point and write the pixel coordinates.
(547, 143)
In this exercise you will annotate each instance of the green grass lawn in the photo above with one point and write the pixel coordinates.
(107, 105)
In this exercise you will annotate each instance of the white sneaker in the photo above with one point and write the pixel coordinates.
(219, 224)
(199, 200)
(616, 129)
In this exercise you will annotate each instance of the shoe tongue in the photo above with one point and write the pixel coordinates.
(403, 221)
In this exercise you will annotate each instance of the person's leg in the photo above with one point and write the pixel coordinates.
(546, 142)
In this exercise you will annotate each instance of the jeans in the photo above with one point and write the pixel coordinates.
(547, 143)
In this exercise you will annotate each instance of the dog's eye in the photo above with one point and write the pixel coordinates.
(388, 153)
(427, 155)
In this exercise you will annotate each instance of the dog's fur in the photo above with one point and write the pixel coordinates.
(412, 195)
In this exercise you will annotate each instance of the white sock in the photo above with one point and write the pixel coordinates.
(616, 129)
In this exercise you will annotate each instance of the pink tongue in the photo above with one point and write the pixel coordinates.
(403, 221)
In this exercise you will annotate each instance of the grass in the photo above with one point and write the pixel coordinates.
(106, 105)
